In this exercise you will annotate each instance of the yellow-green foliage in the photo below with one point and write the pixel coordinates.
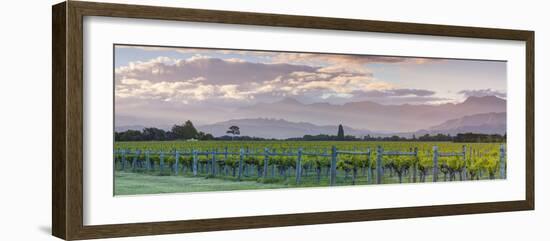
(425, 160)
(186, 160)
(169, 159)
(204, 159)
(251, 159)
(307, 146)
(154, 158)
(316, 161)
(488, 161)
(232, 161)
(349, 161)
(454, 163)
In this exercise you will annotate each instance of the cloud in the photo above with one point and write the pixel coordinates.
(343, 59)
(414, 92)
(192, 50)
(483, 92)
(344, 62)
(411, 100)
(201, 78)
(388, 96)
(168, 91)
(312, 59)
(209, 87)
(214, 70)
(193, 90)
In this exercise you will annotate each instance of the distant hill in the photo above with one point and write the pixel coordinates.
(289, 118)
(130, 127)
(486, 123)
(276, 128)
(371, 115)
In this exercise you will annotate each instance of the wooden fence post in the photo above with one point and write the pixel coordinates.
(147, 160)
(225, 153)
(379, 153)
(299, 166)
(123, 157)
(334, 153)
(369, 166)
(195, 162)
(266, 162)
(464, 171)
(502, 157)
(274, 165)
(114, 159)
(135, 159)
(213, 164)
(415, 166)
(241, 157)
(161, 161)
(176, 168)
(436, 164)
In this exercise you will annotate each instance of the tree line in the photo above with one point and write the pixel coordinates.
(474, 137)
(178, 132)
(460, 137)
(188, 131)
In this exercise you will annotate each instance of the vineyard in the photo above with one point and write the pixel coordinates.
(236, 165)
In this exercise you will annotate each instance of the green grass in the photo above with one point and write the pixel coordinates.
(127, 183)
(133, 183)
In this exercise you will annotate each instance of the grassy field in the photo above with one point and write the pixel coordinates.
(131, 183)
(128, 183)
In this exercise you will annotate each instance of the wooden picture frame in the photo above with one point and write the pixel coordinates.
(67, 124)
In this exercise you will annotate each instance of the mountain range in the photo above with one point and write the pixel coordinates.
(487, 123)
(291, 118)
(277, 128)
(370, 115)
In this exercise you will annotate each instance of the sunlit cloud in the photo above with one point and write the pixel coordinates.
(309, 77)
(483, 92)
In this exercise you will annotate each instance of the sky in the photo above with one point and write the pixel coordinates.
(163, 84)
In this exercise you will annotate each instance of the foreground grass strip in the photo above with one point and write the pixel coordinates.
(127, 183)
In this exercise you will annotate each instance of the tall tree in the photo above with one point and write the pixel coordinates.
(189, 130)
(233, 130)
(152, 133)
(130, 135)
(205, 136)
(185, 131)
(340, 132)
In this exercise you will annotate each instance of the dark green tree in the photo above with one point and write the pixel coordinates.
(340, 132)
(233, 130)
(185, 131)
(152, 133)
(205, 136)
(129, 135)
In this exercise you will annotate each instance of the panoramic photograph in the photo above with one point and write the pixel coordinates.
(204, 120)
